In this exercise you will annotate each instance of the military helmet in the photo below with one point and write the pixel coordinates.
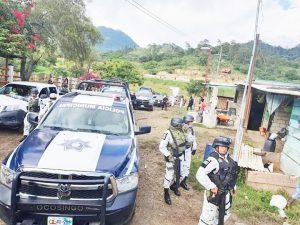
(176, 122)
(188, 118)
(222, 141)
(34, 91)
(52, 96)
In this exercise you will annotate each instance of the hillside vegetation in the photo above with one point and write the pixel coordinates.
(273, 63)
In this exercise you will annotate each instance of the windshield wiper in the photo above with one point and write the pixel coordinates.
(98, 131)
(59, 128)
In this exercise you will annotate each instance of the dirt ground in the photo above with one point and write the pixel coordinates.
(151, 209)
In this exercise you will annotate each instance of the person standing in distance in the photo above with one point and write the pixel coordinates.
(189, 151)
(191, 103)
(33, 106)
(218, 175)
(173, 138)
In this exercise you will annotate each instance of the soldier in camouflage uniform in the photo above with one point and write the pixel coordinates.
(33, 106)
(190, 150)
(168, 148)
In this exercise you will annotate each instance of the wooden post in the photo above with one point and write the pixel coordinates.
(6, 70)
(249, 90)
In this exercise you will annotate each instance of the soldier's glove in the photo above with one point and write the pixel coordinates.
(169, 158)
(194, 152)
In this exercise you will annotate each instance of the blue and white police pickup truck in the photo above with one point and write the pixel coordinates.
(79, 166)
(14, 101)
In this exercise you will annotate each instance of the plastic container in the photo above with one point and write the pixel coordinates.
(208, 149)
(269, 146)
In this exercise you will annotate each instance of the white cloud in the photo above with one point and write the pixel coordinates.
(199, 19)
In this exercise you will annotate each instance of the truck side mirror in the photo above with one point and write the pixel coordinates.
(143, 130)
(33, 118)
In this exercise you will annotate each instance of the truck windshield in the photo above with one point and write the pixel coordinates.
(88, 118)
(16, 91)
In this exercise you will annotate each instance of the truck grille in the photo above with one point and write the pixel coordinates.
(142, 102)
(65, 186)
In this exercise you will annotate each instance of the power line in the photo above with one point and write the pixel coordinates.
(153, 16)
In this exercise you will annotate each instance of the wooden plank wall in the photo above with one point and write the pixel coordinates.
(290, 157)
(270, 181)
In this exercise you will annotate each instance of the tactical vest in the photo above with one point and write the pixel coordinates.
(33, 105)
(225, 178)
(180, 140)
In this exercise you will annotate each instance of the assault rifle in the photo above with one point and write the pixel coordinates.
(224, 186)
(177, 161)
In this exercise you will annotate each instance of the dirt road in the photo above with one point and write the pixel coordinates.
(151, 209)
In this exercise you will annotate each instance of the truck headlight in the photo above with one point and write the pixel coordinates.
(10, 108)
(127, 183)
(6, 176)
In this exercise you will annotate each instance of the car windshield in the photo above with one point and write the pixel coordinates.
(88, 118)
(114, 90)
(17, 91)
(158, 97)
(145, 94)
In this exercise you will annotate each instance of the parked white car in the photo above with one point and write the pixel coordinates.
(14, 101)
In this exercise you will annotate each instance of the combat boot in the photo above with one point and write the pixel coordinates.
(167, 196)
(184, 185)
(175, 189)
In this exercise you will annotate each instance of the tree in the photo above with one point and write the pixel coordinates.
(50, 26)
(120, 69)
(16, 35)
(194, 87)
(292, 75)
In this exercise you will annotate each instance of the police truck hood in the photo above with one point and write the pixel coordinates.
(10, 101)
(73, 151)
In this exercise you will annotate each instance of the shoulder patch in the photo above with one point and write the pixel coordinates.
(205, 163)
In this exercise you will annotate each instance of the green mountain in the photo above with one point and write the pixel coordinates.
(273, 62)
(114, 40)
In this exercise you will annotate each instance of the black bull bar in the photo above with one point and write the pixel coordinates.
(20, 206)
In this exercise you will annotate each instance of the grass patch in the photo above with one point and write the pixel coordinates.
(162, 86)
(195, 164)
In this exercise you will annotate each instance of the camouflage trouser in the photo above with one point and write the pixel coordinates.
(27, 126)
(210, 212)
(170, 174)
(186, 163)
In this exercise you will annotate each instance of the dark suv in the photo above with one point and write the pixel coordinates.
(144, 100)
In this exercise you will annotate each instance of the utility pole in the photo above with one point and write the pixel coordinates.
(207, 69)
(240, 129)
(220, 57)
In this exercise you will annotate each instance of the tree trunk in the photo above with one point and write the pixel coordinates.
(27, 67)
(23, 68)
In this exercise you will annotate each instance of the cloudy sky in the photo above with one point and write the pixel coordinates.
(195, 20)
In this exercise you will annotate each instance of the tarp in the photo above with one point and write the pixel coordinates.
(274, 101)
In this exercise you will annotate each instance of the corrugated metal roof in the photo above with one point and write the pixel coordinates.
(276, 87)
(212, 84)
(247, 159)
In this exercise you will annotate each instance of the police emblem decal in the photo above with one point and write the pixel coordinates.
(75, 144)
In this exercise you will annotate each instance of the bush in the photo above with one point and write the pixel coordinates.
(292, 75)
